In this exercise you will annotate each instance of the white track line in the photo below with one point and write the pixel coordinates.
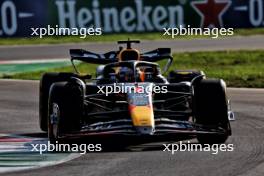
(19, 147)
(38, 61)
(19, 80)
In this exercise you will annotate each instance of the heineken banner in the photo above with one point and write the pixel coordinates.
(114, 16)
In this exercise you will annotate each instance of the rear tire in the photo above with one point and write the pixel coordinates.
(65, 110)
(45, 83)
(211, 109)
(177, 76)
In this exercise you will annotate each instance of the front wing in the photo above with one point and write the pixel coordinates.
(163, 127)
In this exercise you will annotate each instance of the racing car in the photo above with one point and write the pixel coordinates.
(74, 104)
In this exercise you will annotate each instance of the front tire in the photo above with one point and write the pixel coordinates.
(65, 110)
(45, 83)
(211, 109)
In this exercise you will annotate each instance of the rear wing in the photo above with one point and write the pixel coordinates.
(90, 57)
(112, 56)
(157, 55)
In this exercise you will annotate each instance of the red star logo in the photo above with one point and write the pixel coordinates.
(211, 12)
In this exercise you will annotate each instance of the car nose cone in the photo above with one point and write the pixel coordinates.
(145, 130)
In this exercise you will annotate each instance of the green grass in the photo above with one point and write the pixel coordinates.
(113, 37)
(237, 68)
(248, 32)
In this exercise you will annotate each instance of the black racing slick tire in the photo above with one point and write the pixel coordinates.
(65, 110)
(211, 110)
(45, 83)
(177, 76)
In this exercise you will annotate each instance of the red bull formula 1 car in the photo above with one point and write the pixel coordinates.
(130, 96)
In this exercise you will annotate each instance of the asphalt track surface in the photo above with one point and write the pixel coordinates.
(177, 45)
(19, 115)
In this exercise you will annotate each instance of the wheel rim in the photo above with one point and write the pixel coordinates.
(54, 118)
